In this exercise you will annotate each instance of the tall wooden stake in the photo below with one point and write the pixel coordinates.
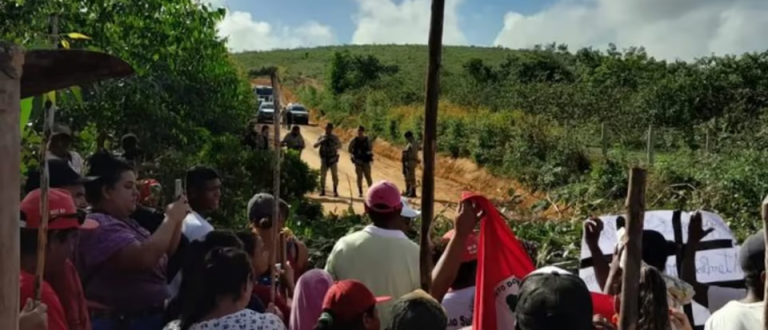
(430, 140)
(631, 275)
(48, 120)
(764, 213)
(276, 179)
(11, 63)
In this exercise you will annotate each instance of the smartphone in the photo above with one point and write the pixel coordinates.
(179, 189)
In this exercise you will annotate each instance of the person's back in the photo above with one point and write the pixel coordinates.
(387, 263)
(381, 256)
(746, 314)
(737, 315)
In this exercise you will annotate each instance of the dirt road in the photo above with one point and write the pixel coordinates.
(452, 176)
(446, 192)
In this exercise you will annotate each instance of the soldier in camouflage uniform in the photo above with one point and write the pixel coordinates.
(410, 160)
(329, 145)
(361, 150)
(294, 140)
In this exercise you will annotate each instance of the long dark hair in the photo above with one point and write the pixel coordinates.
(193, 267)
(327, 321)
(227, 271)
(108, 170)
(652, 296)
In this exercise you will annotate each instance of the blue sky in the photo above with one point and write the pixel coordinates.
(481, 23)
(670, 29)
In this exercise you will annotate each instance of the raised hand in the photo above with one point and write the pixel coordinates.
(592, 229)
(696, 232)
(469, 216)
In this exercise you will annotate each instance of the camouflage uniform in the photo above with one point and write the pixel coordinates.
(362, 156)
(329, 159)
(410, 160)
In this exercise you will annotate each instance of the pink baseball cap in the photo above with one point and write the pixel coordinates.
(383, 196)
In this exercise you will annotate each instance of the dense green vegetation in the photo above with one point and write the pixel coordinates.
(532, 115)
(537, 115)
(188, 103)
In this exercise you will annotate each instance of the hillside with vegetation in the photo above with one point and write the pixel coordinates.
(567, 123)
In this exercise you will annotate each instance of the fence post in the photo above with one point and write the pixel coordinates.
(706, 142)
(649, 147)
(604, 140)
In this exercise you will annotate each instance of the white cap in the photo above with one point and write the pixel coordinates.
(408, 211)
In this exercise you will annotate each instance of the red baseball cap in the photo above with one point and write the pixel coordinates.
(383, 196)
(471, 253)
(349, 299)
(61, 209)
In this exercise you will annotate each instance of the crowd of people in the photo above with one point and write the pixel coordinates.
(113, 261)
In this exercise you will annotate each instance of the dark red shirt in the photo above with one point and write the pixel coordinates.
(56, 318)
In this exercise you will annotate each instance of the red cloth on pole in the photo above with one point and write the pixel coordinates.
(502, 263)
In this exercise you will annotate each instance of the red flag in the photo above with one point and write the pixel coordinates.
(502, 263)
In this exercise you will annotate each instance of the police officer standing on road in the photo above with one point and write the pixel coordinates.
(294, 140)
(410, 160)
(362, 156)
(329, 145)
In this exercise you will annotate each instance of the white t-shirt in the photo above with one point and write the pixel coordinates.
(242, 320)
(76, 162)
(718, 296)
(737, 315)
(195, 227)
(459, 307)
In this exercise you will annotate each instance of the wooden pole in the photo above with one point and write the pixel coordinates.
(430, 140)
(603, 141)
(706, 142)
(48, 120)
(649, 147)
(11, 63)
(764, 214)
(631, 273)
(275, 180)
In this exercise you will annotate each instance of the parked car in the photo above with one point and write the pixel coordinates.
(299, 113)
(266, 112)
(263, 93)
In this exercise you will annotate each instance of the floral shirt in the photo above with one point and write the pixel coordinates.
(242, 320)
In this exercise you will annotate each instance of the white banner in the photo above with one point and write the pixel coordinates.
(716, 265)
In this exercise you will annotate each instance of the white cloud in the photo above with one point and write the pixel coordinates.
(244, 33)
(668, 29)
(386, 22)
